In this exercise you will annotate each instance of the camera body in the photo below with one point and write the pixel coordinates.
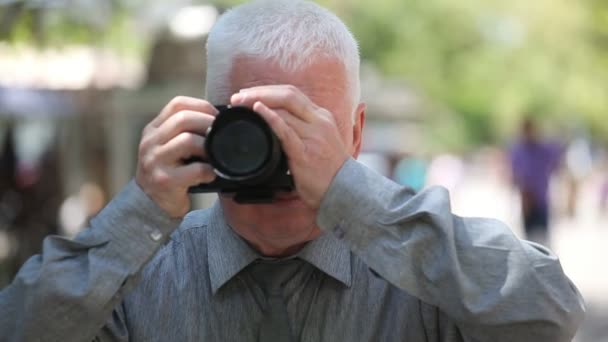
(246, 156)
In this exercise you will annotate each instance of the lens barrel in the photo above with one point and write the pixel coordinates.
(242, 147)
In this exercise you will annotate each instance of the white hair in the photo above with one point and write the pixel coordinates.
(290, 33)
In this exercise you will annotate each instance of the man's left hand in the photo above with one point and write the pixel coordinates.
(308, 134)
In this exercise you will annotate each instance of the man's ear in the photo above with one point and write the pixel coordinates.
(358, 129)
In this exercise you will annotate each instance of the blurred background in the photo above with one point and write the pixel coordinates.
(505, 103)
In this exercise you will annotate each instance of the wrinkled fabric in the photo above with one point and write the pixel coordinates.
(391, 266)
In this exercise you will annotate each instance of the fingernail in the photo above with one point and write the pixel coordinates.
(236, 99)
(259, 104)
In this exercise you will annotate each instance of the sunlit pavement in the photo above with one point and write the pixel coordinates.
(580, 242)
(582, 245)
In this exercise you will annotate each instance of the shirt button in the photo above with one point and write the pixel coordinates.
(156, 235)
(339, 229)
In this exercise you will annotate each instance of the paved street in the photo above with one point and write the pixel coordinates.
(582, 245)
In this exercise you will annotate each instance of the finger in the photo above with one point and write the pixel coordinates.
(283, 96)
(193, 174)
(181, 103)
(290, 141)
(183, 146)
(184, 121)
(296, 124)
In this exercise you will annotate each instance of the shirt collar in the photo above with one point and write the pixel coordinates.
(331, 256)
(228, 253)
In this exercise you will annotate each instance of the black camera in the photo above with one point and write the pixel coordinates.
(246, 156)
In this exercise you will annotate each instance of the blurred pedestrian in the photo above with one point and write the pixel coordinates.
(29, 196)
(533, 161)
(578, 160)
(411, 172)
(604, 197)
(604, 186)
(446, 170)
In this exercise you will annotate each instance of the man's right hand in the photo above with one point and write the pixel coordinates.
(175, 135)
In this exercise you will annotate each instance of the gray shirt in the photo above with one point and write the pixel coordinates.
(390, 266)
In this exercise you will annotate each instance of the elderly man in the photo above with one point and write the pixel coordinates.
(347, 256)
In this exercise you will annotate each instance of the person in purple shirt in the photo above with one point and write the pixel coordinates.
(533, 161)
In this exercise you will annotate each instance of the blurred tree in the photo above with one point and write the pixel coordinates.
(104, 23)
(483, 62)
(487, 62)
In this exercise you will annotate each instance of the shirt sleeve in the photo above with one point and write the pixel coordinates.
(70, 291)
(490, 284)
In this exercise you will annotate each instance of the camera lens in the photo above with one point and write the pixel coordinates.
(241, 147)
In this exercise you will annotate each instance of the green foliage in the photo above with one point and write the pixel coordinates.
(483, 63)
(61, 26)
(491, 61)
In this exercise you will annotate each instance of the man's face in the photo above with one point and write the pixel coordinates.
(325, 83)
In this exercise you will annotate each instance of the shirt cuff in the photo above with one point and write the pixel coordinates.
(354, 198)
(134, 226)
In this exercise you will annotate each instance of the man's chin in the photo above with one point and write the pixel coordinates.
(281, 200)
(288, 199)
